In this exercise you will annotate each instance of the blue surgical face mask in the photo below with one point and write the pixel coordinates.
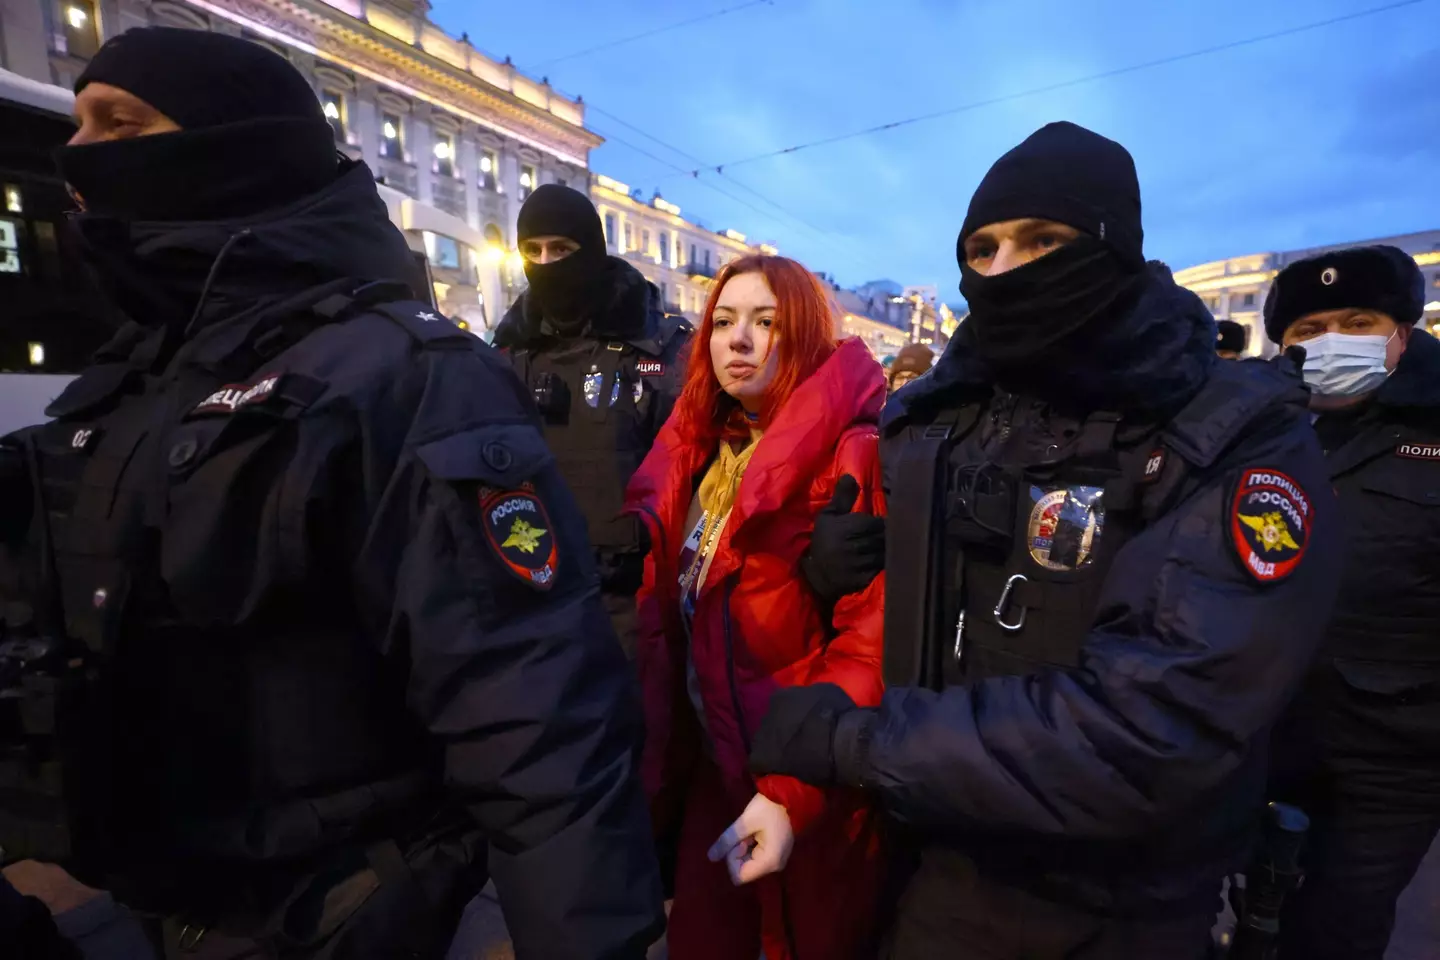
(1346, 365)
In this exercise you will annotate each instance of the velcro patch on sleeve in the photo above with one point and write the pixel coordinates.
(233, 396)
(519, 531)
(1418, 451)
(1270, 520)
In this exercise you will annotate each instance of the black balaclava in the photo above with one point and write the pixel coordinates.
(566, 290)
(253, 135)
(1030, 320)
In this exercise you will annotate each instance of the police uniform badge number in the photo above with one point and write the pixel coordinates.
(1065, 526)
(520, 533)
(1270, 521)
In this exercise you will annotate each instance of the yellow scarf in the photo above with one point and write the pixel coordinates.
(722, 481)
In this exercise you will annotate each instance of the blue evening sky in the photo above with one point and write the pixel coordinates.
(1323, 136)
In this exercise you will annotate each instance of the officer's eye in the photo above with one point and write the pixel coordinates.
(980, 251)
(1048, 241)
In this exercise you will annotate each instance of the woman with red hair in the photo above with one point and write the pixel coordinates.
(774, 412)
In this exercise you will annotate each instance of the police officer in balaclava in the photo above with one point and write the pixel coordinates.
(1107, 558)
(1360, 748)
(603, 360)
(275, 567)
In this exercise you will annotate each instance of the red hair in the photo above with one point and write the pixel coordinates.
(804, 333)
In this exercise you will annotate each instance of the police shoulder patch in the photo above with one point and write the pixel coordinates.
(519, 531)
(1269, 524)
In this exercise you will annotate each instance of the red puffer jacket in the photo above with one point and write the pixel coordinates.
(758, 627)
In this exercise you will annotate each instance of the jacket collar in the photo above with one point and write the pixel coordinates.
(1416, 380)
(629, 310)
(1149, 362)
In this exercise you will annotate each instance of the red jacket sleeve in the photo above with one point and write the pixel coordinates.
(852, 659)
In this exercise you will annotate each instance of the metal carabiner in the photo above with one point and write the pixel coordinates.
(999, 610)
(190, 937)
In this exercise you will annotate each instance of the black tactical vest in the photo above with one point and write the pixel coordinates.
(1004, 521)
(599, 404)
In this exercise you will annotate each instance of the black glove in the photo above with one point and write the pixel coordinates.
(847, 550)
(797, 736)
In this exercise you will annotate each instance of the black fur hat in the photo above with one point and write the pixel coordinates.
(1379, 278)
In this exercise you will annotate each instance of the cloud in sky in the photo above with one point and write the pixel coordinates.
(1317, 137)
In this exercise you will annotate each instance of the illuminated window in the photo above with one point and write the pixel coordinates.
(13, 203)
(9, 247)
(489, 170)
(37, 354)
(79, 28)
(334, 106)
(444, 150)
(663, 253)
(392, 136)
(528, 182)
(610, 229)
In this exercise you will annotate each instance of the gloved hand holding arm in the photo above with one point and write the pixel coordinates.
(847, 550)
(1192, 657)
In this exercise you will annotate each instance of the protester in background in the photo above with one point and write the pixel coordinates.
(1230, 339)
(1108, 560)
(913, 360)
(776, 423)
(591, 339)
(1360, 750)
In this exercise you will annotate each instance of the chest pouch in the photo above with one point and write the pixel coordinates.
(552, 397)
(981, 511)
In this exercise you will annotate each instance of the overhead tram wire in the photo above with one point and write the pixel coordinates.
(694, 159)
(650, 33)
(825, 237)
(719, 169)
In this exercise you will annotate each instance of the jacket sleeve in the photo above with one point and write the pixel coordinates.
(512, 664)
(852, 658)
(1190, 660)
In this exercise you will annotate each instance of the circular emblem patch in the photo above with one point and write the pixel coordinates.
(1329, 275)
(1270, 521)
(521, 535)
(1065, 526)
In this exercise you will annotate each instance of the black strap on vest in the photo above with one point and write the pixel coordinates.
(914, 610)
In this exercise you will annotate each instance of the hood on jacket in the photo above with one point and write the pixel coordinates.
(847, 389)
(1148, 363)
(629, 308)
(157, 272)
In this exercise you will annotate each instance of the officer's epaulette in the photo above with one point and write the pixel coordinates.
(1229, 401)
(427, 326)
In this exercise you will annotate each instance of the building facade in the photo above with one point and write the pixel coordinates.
(1235, 289)
(679, 256)
(457, 139)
